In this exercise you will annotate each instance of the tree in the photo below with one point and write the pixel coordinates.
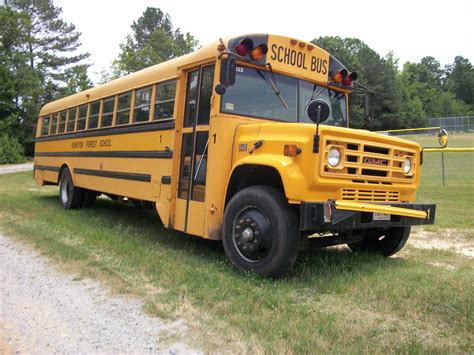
(47, 56)
(153, 40)
(460, 79)
(377, 73)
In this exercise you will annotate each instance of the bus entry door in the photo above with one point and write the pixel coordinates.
(190, 202)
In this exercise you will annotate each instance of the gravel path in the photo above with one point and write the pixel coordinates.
(43, 310)
(14, 168)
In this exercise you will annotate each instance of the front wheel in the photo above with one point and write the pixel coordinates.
(260, 231)
(385, 242)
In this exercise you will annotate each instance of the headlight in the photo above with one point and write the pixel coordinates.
(334, 157)
(407, 166)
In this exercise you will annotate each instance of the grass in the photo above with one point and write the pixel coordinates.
(333, 301)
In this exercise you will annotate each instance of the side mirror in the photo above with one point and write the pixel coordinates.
(318, 111)
(443, 138)
(227, 75)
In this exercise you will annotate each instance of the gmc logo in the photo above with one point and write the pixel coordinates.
(375, 161)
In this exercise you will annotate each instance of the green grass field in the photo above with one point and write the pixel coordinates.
(455, 199)
(333, 300)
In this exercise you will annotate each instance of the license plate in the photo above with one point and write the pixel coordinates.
(378, 216)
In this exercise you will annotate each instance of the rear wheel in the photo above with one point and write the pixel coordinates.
(70, 196)
(260, 231)
(385, 242)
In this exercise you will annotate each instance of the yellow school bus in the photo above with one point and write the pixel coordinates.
(245, 140)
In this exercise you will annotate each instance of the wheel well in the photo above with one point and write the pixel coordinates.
(64, 166)
(251, 175)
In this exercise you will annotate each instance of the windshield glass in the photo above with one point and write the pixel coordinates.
(251, 95)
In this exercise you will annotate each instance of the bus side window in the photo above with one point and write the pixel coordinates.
(71, 119)
(54, 123)
(45, 125)
(164, 103)
(141, 113)
(94, 115)
(81, 120)
(108, 112)
(123, 109)
(62, 121)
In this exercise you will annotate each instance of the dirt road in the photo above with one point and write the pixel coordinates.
(43, 310)
(15, 168)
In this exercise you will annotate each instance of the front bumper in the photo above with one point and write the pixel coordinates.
(334, 216)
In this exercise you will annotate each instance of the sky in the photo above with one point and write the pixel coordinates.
(411, 29)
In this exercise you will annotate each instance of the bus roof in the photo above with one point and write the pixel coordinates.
(169, 70)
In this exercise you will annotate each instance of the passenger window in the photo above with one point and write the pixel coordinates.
(141, 113)
(94, 115)
(123, 110)
(81, 120)
(62, 121)
(164, 103)
(108, 112)
(71, 119)
(45, 125)
(54, 123)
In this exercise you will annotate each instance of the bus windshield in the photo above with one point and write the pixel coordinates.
(252, 95)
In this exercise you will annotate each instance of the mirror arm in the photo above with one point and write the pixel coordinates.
(316, 136)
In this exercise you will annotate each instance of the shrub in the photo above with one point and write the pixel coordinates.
(11, 150)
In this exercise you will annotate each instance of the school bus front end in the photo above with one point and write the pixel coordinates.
(294, 183)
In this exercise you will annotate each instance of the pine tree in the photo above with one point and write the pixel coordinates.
(49, 49)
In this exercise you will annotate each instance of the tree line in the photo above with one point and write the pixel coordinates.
(41, 60)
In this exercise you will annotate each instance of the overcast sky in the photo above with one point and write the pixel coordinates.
(412, 29)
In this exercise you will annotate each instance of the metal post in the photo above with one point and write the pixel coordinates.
(442, 165)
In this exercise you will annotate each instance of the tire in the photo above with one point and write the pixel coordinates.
(260, 232)
(70, 196)
(89, 198)
(385, 242)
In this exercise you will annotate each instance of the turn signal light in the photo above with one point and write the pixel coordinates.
(291, 150)
(258, 52)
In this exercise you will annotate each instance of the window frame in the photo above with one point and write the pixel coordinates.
(102, 105)
(98, 114)
(117, 111)
(135, 107)
(43, 125)
(154, 102)
(298, 120)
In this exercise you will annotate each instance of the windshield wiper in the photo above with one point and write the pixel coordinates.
(273, 85)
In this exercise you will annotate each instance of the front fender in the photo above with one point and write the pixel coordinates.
(291, 175)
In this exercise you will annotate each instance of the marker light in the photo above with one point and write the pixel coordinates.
(334, 157)
(407, 166)
(258, 52)
(244, 47)
(291, 150)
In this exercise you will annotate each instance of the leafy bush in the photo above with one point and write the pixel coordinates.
(11, 150)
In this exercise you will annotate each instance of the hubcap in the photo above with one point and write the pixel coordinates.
(252, 235)
(64, 191)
